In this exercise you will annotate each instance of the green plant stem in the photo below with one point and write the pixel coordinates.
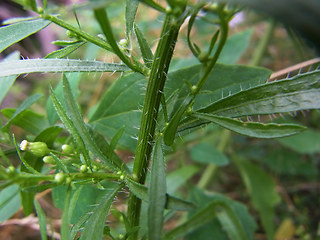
(152, 100)
(263, 44)
(95, 40)
(211, 168)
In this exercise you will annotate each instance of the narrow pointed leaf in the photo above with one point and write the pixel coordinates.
(262, 190)
(172, 202)
(131, 10)
(42, 220)
(25, 105)
(63, 52)
(146, 52)
(253, 129)
(298, 93)
(57, 65)
(205, 215)
(153, 4)
(68, 123)
(114, 141)
(171, 128)
(157, 192)
(15, 32)
(96, 222)
(82, 129)
(7, 82)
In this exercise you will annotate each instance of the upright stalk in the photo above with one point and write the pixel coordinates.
(152, 100)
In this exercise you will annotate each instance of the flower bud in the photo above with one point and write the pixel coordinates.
(59, 177)
(83, 168)
(49, 160)
(38, 149)
(67, 148)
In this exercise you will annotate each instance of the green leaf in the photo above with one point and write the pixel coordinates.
(217, 227)
(172, 202)
(177, 178)
(262, 191)
(28, 120)
(74, 79)
(206, 153)
(81, 128)
(120, 106)
(146, 52)
(23, 106)
(18, 31)
(223, 81)
(10, 202)
(131, 11)
(28, 4)
(252, 129)
(154, 5)
(65, 219)
(114, 141)
(42, 220)
(206, 214)
(298, 93)
(7, 82)
(307, 142)
(8, 68)
(157, 192)
(96, 222)
(63, 52)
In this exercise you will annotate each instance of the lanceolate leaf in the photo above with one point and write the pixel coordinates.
(25, 105)
(131, 10)
(57, 65)
(157, 192)
(6, 82)
(63, 52)
(252, 129)
(95, 224)
(206, 214)
(42, 220)
(15, 32)
(172, 202)
(82, 129)
(146, 52)
(298, 93)
(261, 188)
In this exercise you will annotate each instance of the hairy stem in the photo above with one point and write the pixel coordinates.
(152, 100)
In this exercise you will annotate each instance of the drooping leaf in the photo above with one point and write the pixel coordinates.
(253, 129)
(95, 224)
(42, 220)
(82, 129)
(8, 68)
(63, 52)
(261, 189)
(6, 82)
(131, 10)
(120, 106)
(205, 153)
(172, 202)
(157, 192)
(146, 52)
(10, 202)
(298, 93)
(15, 32)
